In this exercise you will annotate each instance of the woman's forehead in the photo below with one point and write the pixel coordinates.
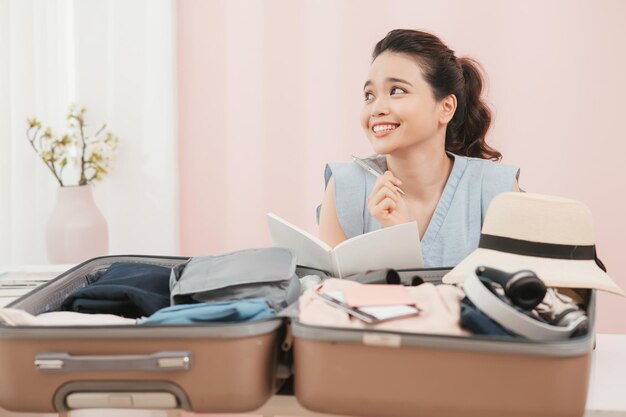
(394, 65)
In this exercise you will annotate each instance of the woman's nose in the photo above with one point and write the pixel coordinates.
(380, 107)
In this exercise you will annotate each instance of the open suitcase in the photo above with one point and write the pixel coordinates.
(234, 367)
(378, 373)
(202, 368)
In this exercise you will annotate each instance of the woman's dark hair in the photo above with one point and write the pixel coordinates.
(446, 74)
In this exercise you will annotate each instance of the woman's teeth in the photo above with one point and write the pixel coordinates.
(382, 128)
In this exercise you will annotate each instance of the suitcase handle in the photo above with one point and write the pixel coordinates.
(160, 361)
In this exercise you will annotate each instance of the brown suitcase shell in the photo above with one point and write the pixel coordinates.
(377, 373)
(204, 368)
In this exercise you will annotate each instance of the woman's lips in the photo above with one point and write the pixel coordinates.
(383, 129)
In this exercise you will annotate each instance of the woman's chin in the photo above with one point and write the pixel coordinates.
(382, 148)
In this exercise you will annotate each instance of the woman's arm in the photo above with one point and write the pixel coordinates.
(330, 229)
(516, 186)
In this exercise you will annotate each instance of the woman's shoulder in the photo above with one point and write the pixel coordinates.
(350, 188)
(488, 170)
(484, 163)
(351, 172)
(345, 172)
(492, 177)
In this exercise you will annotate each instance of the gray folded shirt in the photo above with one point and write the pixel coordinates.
(249, 273)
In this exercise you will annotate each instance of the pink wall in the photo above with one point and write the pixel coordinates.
(270, 91)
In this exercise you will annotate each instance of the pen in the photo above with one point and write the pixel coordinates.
(372, 171)
(367, 318)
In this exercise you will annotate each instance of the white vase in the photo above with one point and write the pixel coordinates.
(76, 230)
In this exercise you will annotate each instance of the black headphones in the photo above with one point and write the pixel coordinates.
(524, 288)
(377, 276)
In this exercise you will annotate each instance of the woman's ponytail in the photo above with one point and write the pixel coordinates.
(467, 130)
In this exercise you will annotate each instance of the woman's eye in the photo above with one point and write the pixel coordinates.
(397, 90)
(368, 96)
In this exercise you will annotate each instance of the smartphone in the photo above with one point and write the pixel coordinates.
(370, 315)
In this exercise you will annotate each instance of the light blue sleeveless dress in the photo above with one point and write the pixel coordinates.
(454, 229)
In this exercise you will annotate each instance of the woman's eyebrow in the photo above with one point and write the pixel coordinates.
(398, 80)
(387, 81)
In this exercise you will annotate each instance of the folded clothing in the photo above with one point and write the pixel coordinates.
(478, 322)
(439, 304)
(125, 289)
(225, 311)
(15, 317)
(244, 274)
(561, 306)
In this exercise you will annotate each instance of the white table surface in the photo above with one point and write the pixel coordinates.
(16, 281)
(607, 384)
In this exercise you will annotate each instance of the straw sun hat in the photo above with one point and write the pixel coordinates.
(551, 236)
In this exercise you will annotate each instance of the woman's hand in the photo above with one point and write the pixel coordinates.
(386, 204)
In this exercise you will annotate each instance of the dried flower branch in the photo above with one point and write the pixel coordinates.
(96, 152)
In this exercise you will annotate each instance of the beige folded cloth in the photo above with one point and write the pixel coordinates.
(440, 305)
(15, 317)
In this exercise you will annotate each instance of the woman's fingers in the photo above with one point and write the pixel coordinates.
(387, 205)
(383, 184)
(383, 209)
(383, 202)
(380, 195)
(386, 180)
(384, 199)
(392, 178)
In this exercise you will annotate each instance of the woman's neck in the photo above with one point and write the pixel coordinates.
(423, 171)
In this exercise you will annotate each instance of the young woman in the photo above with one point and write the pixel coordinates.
(426, 121)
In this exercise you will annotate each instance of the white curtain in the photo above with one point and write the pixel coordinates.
(116, 58)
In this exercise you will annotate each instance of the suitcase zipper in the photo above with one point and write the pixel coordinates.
(288, 341)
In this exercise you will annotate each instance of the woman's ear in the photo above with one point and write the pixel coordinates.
(447, 107)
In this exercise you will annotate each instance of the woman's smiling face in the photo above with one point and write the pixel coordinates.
(400, 108)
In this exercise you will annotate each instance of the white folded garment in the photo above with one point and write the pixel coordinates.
(15, 317)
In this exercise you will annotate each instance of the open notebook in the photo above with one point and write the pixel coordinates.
(395, 247)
